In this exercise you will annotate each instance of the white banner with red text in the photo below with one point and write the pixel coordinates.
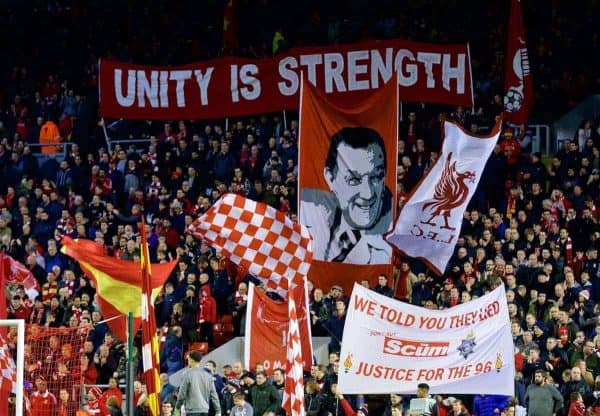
(231, 86)
(429, 224)
(390, 346)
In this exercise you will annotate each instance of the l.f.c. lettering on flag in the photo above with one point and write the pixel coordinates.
(429, 224)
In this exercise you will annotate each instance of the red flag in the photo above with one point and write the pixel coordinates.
(259, 238)
(16, 273)
(267, 324)
(518, 85)
(347, 183)
(116, 293)
(293, 395)
(230, 40)
(150, 356)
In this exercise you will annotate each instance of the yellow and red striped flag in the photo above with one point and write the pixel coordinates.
(118, 282)
(150, 354)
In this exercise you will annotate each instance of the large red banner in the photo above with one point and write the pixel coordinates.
(518, 84)
(230, 86)
(267, 326)
(347, 182)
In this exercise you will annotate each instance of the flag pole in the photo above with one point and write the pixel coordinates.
(130, 365)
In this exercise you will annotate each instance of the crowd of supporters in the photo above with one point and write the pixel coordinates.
(532, 225)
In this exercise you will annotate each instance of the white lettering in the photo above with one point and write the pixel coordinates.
(355, 69)
(247, 78)
(163, 89)
(378, 67)
(125, 101)
(180, 77)
(457, 72)
(311, 61)
(233, 77)
(203, 80)
(410, 77)
(429, 59)
(334, 66)
(285, 71)
(145, 89)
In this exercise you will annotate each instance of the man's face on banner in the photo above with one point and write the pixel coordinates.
(358, 183)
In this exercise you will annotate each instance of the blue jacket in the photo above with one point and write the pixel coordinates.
(485, 405)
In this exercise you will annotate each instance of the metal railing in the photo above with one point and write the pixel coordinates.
(61, 154)
(540, 141)
(126, 142)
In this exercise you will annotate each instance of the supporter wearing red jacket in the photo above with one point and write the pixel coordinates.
(207, 315)
(86, 370)
(17, 309)
(112, 391)
(66, 406)
(511, 148)
(101, 184)
(43, 403)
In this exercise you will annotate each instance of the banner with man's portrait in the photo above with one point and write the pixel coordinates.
(347, 181)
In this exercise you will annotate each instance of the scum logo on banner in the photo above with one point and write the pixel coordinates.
(450, 192)
(467, 346)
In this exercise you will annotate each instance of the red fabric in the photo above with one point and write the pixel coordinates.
(348, 410)
(511, 149)
(576, 409)
(43, 404)
(151, 360)
(12, 271)
(21, 313)
(401, 287)
(128, 278)
(113, 391)
(293, 394)
(105, 185)
(321, 119)
(278, 86)
(268, 320)
(208, 307)
(517, 75)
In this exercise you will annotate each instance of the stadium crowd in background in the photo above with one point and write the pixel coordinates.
(532, 225)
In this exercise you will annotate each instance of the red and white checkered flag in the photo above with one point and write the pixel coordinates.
(259, 238)
(8, 369)
(293, 396)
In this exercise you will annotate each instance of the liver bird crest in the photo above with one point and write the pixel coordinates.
(450, 192)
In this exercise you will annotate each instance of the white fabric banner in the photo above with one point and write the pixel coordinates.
(390, 346)
(429, 224)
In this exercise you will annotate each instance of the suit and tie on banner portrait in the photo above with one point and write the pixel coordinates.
(347, 181)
